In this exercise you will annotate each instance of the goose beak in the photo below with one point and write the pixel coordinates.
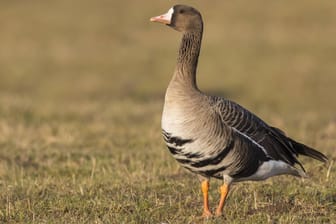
(160, 19)
(164, 18)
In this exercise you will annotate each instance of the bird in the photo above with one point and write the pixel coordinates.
(215, 137)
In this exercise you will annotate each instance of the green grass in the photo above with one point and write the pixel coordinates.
(81, 93)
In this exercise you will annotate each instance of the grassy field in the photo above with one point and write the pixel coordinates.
(81, 93)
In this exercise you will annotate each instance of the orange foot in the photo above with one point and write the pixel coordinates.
(205, 190)
(219, 213)
(206, 214)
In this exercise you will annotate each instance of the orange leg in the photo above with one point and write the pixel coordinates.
(224, 190)
(205, 190)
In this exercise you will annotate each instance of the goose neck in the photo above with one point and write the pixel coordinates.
(188, 57)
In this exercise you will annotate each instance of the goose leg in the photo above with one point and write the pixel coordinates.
(224, 190)
(205, 191)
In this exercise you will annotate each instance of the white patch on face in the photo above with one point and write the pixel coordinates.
(168, 16)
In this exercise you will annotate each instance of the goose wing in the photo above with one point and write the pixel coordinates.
(276, 144)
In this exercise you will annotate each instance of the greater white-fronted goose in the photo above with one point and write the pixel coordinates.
(215, 137)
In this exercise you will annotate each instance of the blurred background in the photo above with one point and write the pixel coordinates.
(84, 81)
(262, 54)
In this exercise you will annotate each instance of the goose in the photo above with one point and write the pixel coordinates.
(215, 137)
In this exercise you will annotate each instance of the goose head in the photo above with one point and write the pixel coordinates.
(181, 18)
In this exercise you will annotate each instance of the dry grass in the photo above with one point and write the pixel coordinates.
(81, 92)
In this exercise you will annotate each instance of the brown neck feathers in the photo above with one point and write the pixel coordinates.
(188, 57)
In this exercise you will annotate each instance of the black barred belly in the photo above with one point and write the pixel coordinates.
(205, 165)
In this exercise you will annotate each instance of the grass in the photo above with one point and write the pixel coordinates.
(81, 94)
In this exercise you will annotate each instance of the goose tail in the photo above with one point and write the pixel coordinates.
(310, 152)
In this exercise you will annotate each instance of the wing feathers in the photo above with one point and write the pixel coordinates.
(274, 141)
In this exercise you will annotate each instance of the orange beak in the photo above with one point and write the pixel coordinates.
(160, 19)
(164, 18)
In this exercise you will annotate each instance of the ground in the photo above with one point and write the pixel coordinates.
(81, 93)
